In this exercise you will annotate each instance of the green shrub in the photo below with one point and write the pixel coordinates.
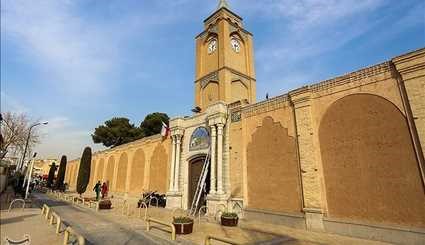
(182, 219)
(84, 171)
(51, 175)
(61, 173)
(229, 215)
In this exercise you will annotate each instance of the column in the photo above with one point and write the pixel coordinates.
(177, 165)
(173, 163)
(212, 161)
(220, 158)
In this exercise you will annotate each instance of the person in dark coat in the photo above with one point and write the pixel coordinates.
(96, 188)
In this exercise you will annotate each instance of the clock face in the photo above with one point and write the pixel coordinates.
(212, 46)
(235, 45)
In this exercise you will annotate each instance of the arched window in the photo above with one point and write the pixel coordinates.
(200, 139)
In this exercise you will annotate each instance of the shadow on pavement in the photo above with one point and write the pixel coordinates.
(16, 219)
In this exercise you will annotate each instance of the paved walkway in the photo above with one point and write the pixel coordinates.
(251, 232)
(17, 223)
(104, 227)
(111, 227)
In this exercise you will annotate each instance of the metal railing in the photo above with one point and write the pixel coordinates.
(125, 208)
(25, 241)
(17, 200)
(143, 204)
(151, 220)
(200, 212)
(69, 231)
(208, 240)
(219, 211)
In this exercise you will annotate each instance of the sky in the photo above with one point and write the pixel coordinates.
(78, 63)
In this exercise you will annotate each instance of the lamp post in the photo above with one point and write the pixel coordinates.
(26, 144)
(30, 174)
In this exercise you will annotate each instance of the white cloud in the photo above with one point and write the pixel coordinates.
(73, 56)
(61, 136)
(302, 31)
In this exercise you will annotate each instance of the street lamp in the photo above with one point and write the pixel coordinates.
(26, 144)
(29, 175)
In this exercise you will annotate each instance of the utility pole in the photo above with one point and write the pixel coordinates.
(26, 143)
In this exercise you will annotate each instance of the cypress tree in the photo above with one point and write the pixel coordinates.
(84, 171)
(51, 175)
(61, 173)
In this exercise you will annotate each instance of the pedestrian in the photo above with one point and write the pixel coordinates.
(104, 190)
(97, 189)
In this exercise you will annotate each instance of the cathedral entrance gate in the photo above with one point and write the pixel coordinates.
(196, 168)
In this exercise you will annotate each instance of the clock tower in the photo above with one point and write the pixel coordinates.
(224, 60)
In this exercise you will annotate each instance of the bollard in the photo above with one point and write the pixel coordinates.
(47, 212)
(68, 231)
(58, 221)
(173, 229)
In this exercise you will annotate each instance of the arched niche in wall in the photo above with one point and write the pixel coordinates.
(110, 168)
(273, 169)
(137, 176)
(210, 93)
(239, 90)
(92, 172)
(122, 172)
(369, 164)
(99, 170)
(159, 170)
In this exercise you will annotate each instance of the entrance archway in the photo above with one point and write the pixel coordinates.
(195, 169)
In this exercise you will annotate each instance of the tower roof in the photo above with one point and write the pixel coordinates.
(223, 4)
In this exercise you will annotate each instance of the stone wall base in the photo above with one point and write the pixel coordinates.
(291, 220)
(216, 203)
(174, 200)
(315, 221)
(398, 235)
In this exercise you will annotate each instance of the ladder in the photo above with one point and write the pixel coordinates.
(201, 185)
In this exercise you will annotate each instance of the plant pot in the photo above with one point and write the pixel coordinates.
(229, 221)
(183, 228)
(105, 204)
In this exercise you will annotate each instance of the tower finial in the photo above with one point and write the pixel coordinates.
(223, 4)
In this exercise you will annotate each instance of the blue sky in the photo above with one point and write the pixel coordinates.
(77, 63)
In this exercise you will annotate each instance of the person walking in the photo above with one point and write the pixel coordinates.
(104, 190)
(97, 190)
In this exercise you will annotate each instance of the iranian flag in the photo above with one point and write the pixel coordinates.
(165, 130)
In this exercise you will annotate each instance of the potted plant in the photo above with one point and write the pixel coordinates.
(229, 219)
(183, 225)
(105, 204)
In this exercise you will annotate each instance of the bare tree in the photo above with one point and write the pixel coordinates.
(14, 133)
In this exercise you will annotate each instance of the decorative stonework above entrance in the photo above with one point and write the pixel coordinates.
(200, 139)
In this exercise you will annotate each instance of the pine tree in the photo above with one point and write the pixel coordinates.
(84, 171)
(61, 173)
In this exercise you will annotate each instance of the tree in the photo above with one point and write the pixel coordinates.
(115, 132)
(51, 175)
(153, 123)
(84, 171)
(14, 132)
(61, 173)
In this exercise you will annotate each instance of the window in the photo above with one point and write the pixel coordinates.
(200, 139)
